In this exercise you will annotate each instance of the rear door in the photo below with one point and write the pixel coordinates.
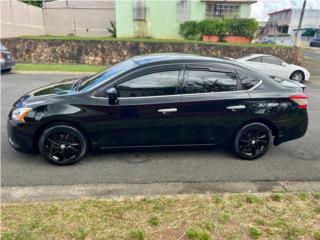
(213, 104)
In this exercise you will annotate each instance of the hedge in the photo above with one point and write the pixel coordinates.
(245, 27)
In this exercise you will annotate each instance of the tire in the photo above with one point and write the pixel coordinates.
(6, 70)
(297, 76)
(252, 141)
(62, 144)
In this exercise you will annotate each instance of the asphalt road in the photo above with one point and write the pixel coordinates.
(313, 54)
(297, 160)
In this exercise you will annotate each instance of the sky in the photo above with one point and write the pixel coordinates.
(261, 9)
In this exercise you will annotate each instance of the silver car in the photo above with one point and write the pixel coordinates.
(6, 59)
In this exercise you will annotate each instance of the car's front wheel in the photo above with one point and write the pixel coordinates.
(252, 141)
(297, 76)
(62, 144)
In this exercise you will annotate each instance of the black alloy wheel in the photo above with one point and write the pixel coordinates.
(62, 145)
(252, 141)
(297, 76)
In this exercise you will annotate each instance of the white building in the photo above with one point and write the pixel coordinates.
(282, 26)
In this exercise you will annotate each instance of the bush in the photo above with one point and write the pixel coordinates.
(190, 30)
(244, 27)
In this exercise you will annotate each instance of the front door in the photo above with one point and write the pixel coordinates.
(146, 112)
(212, 105)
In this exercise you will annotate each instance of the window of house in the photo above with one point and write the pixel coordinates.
(139, 10)
(199, 81)
(214, 10)
(183, 10)
(154, 84)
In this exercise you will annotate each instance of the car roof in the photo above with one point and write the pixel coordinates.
(171, 57)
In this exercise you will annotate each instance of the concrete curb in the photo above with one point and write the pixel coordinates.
(68, 192)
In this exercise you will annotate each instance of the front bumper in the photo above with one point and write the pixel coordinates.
(19, 137)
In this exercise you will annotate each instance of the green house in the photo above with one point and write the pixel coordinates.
(161, 18)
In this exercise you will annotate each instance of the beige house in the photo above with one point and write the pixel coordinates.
(79, 17)
(60, 17)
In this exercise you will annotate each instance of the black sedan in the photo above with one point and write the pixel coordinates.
(315, 43)
(160, 100)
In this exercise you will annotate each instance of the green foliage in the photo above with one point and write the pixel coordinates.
(303, 196)
(195, 234)
(154, 220)
(36, 3)
(276, 197)
(254, 232)
(317, 195)
(224, 218)
(190, 30)
(317, 234)
(245, 27)
(52, 210)
(137, 234)
(113, 29)
(251, 198)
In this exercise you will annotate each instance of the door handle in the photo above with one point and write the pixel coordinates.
(167, 110)
(236, 108)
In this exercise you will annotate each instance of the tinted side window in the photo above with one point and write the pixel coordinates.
(247, 81)
(271, 60)
(256, 59)
(198, 81)
(154, 84)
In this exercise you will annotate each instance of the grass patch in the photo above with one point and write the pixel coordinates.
(137, 234)
(59, 67)
(254, 232)
(276, 197)
(195, 234)
(196, 217)
(146, 40)
(154, 220)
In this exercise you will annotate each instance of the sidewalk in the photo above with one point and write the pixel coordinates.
(67, 192)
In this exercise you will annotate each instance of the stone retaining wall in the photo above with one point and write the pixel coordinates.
(110, 52)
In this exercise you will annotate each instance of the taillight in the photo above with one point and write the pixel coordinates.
(1, 56)
(301, 100)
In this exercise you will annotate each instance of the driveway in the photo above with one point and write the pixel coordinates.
(297, 160)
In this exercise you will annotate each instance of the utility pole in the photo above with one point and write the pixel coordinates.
(300, 23)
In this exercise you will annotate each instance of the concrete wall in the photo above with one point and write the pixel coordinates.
(18, 19)
(110, 52)
(79, 17)
(161, 18)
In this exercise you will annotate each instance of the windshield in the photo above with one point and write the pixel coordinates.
(106, 75)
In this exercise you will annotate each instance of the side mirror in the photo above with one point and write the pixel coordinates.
(283, 64)
(112, 94)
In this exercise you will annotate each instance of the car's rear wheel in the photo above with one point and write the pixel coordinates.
(6, 70)
(62, 144)
(252, 141)
(297, 76)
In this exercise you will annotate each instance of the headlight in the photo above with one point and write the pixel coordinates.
(18, 114)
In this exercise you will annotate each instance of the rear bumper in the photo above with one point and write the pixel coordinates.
(7, 65)
(292, 129)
